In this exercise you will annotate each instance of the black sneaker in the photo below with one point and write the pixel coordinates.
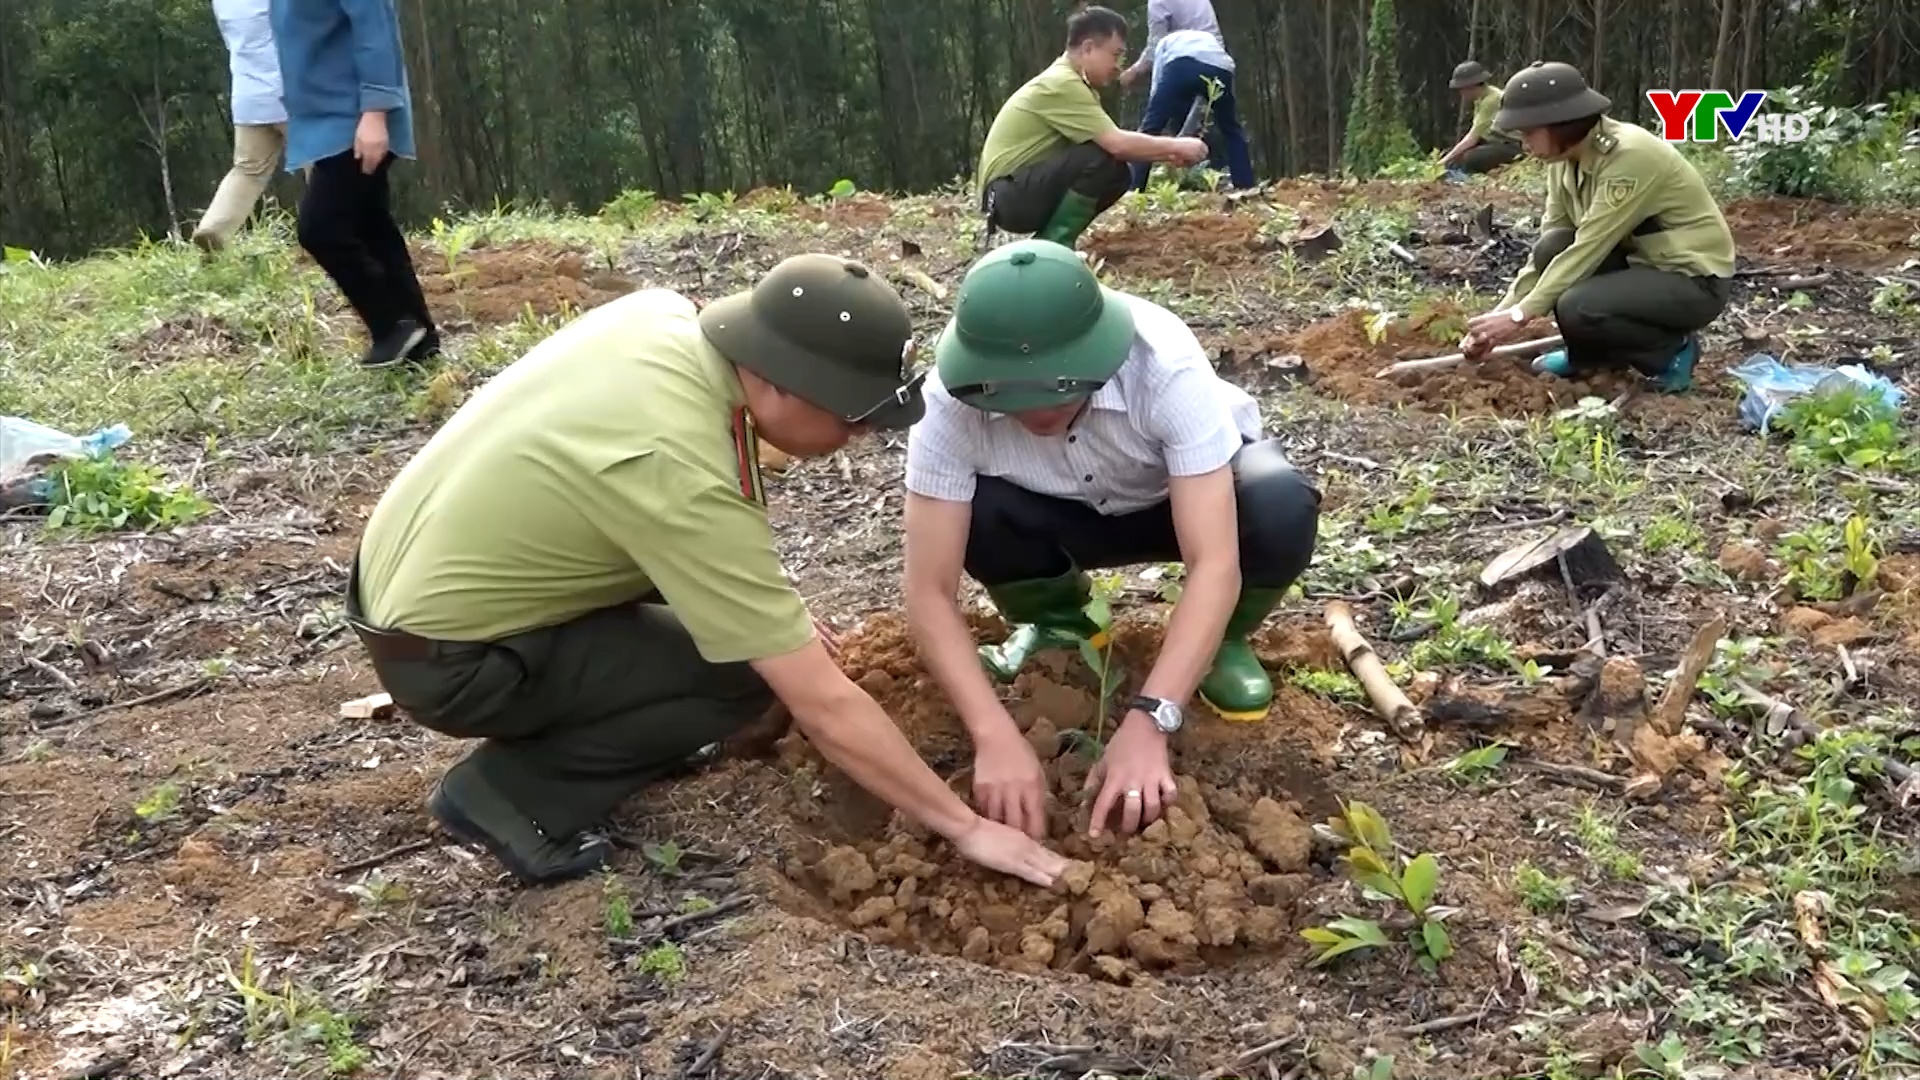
(395, 345)
(427, 348)
(518, 843)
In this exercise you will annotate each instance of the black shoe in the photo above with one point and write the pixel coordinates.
(518, 843)
(394, 345)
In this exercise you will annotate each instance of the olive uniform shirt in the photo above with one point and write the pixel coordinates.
(1055, 109)
(1483, 113)
(1621, 176)
(614, 459)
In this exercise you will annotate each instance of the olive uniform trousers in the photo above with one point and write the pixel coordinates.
(574, 718)
(1489, 155)
(1629, 315)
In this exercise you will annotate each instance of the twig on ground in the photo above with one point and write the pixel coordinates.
(1778, 715)
(1388, 700)
(1445, 1023)
(1805, 281)
(53, 673)
(1578, 773)
(184, 689)
(1554, 518)
(1250, 1055)
(710, 1053)
(388, 855)
(668, 926)
(1671, 712)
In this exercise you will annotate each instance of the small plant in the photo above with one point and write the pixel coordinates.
(1669, 533)
(160, 804)
(664, 857)
(618, 917)
(1539, 890)
(1823, 564)
(1850, 425)
(1381, 1069)
(98, 494)
(1600, 839)
(1338, 686)
(1476, 765)
(1368, 863)
(664, 961)
(841, 189)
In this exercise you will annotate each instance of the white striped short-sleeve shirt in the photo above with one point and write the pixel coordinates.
(1164, 413)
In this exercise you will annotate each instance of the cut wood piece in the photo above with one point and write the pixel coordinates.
(1586, 557)
(1484, 221)
(1388, 701)
(1432, 363)
(1618, 703)
(1672, 710)
(1313, 243)
(924, 283)
(376, 707)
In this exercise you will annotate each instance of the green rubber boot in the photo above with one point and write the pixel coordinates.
(1237, 687)
(1069, 220)
(1048, 613)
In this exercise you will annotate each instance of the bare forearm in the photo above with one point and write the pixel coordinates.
(947, 647)
(1138, 146)
(1193, 632)
(855, 734)
(1466, 143)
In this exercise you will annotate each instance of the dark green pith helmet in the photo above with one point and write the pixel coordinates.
(1032, 328)
(1545, 93)
(1469, 73)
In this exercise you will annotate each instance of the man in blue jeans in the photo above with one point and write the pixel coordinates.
(349, 115)
(1183, 61)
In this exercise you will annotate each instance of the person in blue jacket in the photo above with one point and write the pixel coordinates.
(349, 115)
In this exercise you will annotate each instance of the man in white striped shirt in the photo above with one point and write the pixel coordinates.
(1071, 427)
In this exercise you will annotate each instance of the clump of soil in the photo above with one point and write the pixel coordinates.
(1217, 879)
(1342, 359)
(1803, 232)
(1173, 247)
(499, 284)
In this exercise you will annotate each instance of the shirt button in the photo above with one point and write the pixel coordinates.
(1073, 438)
(1088, 478)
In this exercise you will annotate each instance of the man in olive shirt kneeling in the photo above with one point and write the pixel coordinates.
(578, 568)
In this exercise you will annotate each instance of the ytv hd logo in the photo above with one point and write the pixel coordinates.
(1700, 114)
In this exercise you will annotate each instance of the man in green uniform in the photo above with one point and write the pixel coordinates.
(1484, 148)
(1634, 256)
(1071, 427)
(1053, 159)
(578, 568)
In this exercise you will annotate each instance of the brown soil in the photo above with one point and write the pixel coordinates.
(1176, 247)
(1213, 883)
(1803, 233)
(1341, 360)
(499, 284)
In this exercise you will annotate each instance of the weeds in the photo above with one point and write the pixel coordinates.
(98, 494)
(1540, 891)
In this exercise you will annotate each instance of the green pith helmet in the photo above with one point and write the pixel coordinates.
(1469, 73)
(1547, 93)
(1032, 328)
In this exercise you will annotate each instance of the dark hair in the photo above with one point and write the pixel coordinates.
(1094, 24)
(1568, 134)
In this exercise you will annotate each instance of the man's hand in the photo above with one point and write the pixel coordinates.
(1189, 151)
(370, 141)
(1010, 851)
(1488, 330)
(1008, 784)
(1133, 774)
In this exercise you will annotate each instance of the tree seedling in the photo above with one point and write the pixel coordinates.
(1370, 847)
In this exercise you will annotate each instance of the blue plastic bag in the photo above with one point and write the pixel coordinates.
(1772, 385)
(26, 448)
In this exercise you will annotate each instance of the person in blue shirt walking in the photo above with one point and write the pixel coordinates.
(349, 115)
(1183, 62)
(259, 119)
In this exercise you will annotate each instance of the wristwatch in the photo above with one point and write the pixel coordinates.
(1166, 715)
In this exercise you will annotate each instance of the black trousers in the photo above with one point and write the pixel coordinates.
(1629, 315)
(346, 224)
(1491, 154)
(1018, 535)
(1024, 199)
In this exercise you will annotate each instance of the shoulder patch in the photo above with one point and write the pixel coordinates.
(1616, 191)
(746, 455)
(1606, 143)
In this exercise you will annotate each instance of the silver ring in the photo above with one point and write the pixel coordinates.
(1133, 794)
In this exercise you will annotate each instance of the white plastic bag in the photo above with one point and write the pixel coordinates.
(26, 448)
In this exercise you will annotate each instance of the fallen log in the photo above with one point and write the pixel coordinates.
(1434, 363)
(1388, 700)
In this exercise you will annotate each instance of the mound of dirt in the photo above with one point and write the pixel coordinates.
(499, 284)
(1342, 359)
(1804, 232)
(1172, 248)
(1216, 880)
